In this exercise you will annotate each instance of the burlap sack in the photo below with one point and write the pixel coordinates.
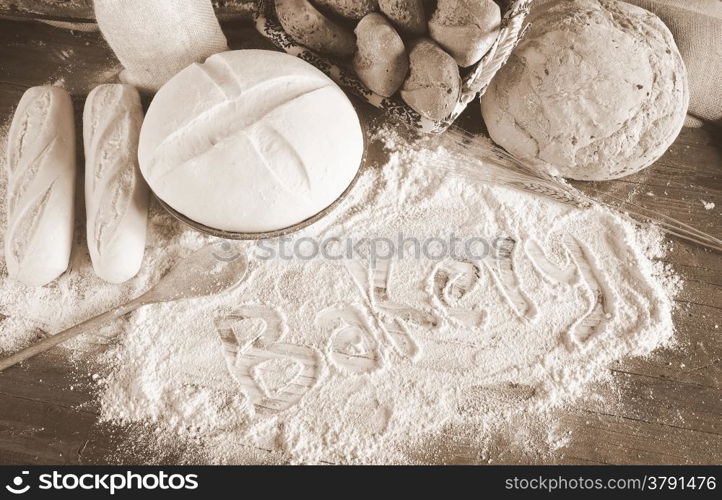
(697, 29)
(154, 39)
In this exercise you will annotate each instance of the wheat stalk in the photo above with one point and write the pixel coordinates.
(480, 160)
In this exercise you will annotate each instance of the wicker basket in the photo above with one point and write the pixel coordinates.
(475, 79)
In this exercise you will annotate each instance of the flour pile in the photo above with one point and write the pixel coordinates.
(372, 358)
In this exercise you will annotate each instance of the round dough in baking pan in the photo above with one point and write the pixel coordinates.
(596, 90)
(250, 141)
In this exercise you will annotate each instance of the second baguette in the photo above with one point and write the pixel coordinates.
(116, 196)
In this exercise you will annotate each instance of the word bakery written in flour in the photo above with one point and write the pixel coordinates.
(274, 375)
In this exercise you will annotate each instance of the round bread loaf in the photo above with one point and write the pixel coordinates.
(250, 141)
(596, 90)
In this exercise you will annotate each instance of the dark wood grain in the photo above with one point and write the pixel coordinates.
(665, 408)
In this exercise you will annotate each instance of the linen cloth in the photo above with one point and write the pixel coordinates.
(155, 39)
(697, 29)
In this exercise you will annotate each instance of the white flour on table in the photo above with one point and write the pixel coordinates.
(318, 360)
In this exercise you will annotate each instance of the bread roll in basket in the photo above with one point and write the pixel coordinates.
(475, 79)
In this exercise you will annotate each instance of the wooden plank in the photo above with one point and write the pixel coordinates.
(45, 412)
(611, 439)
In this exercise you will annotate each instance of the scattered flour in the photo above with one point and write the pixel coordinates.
(352, 361)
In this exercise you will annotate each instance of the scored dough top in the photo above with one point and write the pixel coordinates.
(596, 90)
(250, 141)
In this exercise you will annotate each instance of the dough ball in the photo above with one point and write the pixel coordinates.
(596, 90)
(250, 141)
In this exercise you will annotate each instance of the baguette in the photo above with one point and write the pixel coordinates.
(116, 196)
(380, 61)
(41, 186)
(311, 28)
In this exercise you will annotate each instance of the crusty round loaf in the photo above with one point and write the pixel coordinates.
(380, 61)
(596, 90)
(250, 141)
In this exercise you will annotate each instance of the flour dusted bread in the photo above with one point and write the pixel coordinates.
(310, 27)
(466, 29)
(250, 141)
(116, 196)
(380, 61)
(596, 90)
(41, 186)
(433, 85)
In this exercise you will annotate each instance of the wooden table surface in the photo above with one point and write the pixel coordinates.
(666, 408)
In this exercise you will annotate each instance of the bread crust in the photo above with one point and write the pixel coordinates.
(596, 90)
